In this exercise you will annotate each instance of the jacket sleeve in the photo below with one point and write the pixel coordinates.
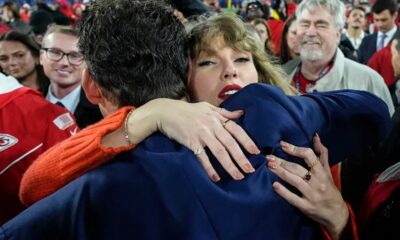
(348, 121)
(354, 121)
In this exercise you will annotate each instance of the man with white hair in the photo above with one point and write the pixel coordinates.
(322, 65)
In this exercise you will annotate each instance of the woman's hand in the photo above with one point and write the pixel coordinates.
(196, 126)
(320, 198)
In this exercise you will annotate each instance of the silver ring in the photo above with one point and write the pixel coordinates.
(198, 151)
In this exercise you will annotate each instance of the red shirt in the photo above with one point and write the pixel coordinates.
(304, 83)
(29, 125)
(381, 62)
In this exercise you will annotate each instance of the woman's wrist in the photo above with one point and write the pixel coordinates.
(338, 227)
(142, 122)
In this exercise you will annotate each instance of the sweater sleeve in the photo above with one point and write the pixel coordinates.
(70, 159)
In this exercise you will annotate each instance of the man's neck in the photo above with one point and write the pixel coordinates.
(354, 32)
(389, 29)
(61, 91)
(311, 70)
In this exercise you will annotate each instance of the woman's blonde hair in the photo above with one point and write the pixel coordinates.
(232, 30)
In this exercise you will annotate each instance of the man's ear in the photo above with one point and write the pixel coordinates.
(41, 56)
(91, 88)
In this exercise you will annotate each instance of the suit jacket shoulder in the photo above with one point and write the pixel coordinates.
(367, 48)
(86, 113)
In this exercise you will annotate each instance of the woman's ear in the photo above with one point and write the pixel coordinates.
(91, 88)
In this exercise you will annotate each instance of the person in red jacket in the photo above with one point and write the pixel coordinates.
(29, 125)
(380, 62)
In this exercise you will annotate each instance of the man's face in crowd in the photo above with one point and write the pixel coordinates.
(254, 11)
(356, 19)
(213, 4)
(61, 72)
(317, 35)
(384, 21)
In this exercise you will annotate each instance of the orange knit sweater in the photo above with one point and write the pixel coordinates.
(70, 159)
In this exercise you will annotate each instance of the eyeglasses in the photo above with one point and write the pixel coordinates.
(252, 7)
(55, 54)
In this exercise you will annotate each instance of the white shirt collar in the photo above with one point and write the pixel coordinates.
(8, 84)
(389, 35)
(355, 41)
(70, 101)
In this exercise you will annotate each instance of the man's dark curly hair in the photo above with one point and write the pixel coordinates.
(134, 50)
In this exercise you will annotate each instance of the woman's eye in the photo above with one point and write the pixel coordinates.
(205, 63)
(243, 59)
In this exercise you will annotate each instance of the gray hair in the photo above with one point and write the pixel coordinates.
(335, 7)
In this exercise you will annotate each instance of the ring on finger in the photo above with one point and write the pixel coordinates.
(225, 122)
(293, 148)
(314, 163)
(198, 151)
(307, 176)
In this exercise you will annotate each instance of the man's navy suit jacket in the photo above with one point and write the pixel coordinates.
(367, 48)
(86, 113)
(160, 191)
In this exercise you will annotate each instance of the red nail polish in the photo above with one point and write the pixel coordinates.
(272, 164)
(215, 177)
(249, 168)
(238, 175)
(255, 150)
(270, 158)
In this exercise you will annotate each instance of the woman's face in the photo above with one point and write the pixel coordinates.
(292, 39)
(16, 59)
(216, 76)
(263, 32)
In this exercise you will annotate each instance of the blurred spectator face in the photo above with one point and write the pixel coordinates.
(78, 9)
(356, 19)
(317, 35)
(61, 72)
(263, 32)
(7, 14)
(39, 21)
(25, 8)
(213, 4)
(384, 21)
(291, 39)
(254, 11)
(16, 59)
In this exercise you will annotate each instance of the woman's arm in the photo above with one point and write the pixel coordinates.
(193, 125)
(320, 198)
(197, 126)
